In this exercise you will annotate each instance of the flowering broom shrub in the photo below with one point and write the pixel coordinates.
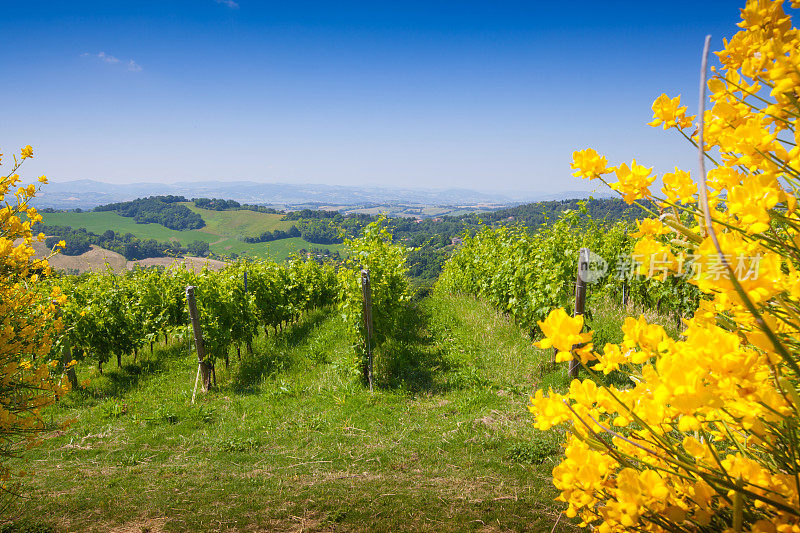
(28, 324)
(707, 438)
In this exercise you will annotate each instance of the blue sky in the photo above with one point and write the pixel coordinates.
(484, 95)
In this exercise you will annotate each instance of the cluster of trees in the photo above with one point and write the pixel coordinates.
(80, 240)
(329, 227)
(313, 214)
(278, 234)
(321, 232)
(538, 213)
(164, 210)
(218, 204)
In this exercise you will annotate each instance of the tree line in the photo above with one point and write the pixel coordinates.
(278, 234)
(79, 241)
(164, 210)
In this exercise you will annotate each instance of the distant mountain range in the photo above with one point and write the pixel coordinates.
(87, 194)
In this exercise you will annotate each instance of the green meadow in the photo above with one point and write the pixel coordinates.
(240, 222)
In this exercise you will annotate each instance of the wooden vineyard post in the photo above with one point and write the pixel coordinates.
(580, 299)
(66, 359)
(625, 294)
(204, 369)
(66, 355)
(249, 342)
(366, 291)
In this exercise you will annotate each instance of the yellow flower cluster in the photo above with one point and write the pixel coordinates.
(28, 323)
(563, 332)
(678, 186)
(668, 113)
(707, 435)
(588, 164)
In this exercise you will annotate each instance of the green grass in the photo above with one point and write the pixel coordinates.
(239, 223)
(289, 441)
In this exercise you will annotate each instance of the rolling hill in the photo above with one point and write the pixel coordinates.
(222, 232)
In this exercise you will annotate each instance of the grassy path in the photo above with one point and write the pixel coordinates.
(290, 443)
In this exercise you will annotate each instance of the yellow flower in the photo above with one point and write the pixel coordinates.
(678, 186)
(668, 113)
(633, 181)
(751, 202)
(724, 383)
(588, 164)
(27, 152)
(562, 332)
(649, 226)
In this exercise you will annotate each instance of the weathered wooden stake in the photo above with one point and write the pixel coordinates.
(366, 291)
(66, 355)
(205, 368)
(66, 359)
(580, 299)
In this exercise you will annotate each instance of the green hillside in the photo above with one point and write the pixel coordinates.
(239, 222)
(222, 231)
(100, 221)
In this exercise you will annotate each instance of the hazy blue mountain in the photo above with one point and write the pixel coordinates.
(87, 194)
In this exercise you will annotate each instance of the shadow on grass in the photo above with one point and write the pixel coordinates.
(116, 382)
(412, 360)
(274, 352)
(555, 376)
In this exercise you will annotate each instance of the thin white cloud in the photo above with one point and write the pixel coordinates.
(130, 64)
(230, 3)
(107, 58)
